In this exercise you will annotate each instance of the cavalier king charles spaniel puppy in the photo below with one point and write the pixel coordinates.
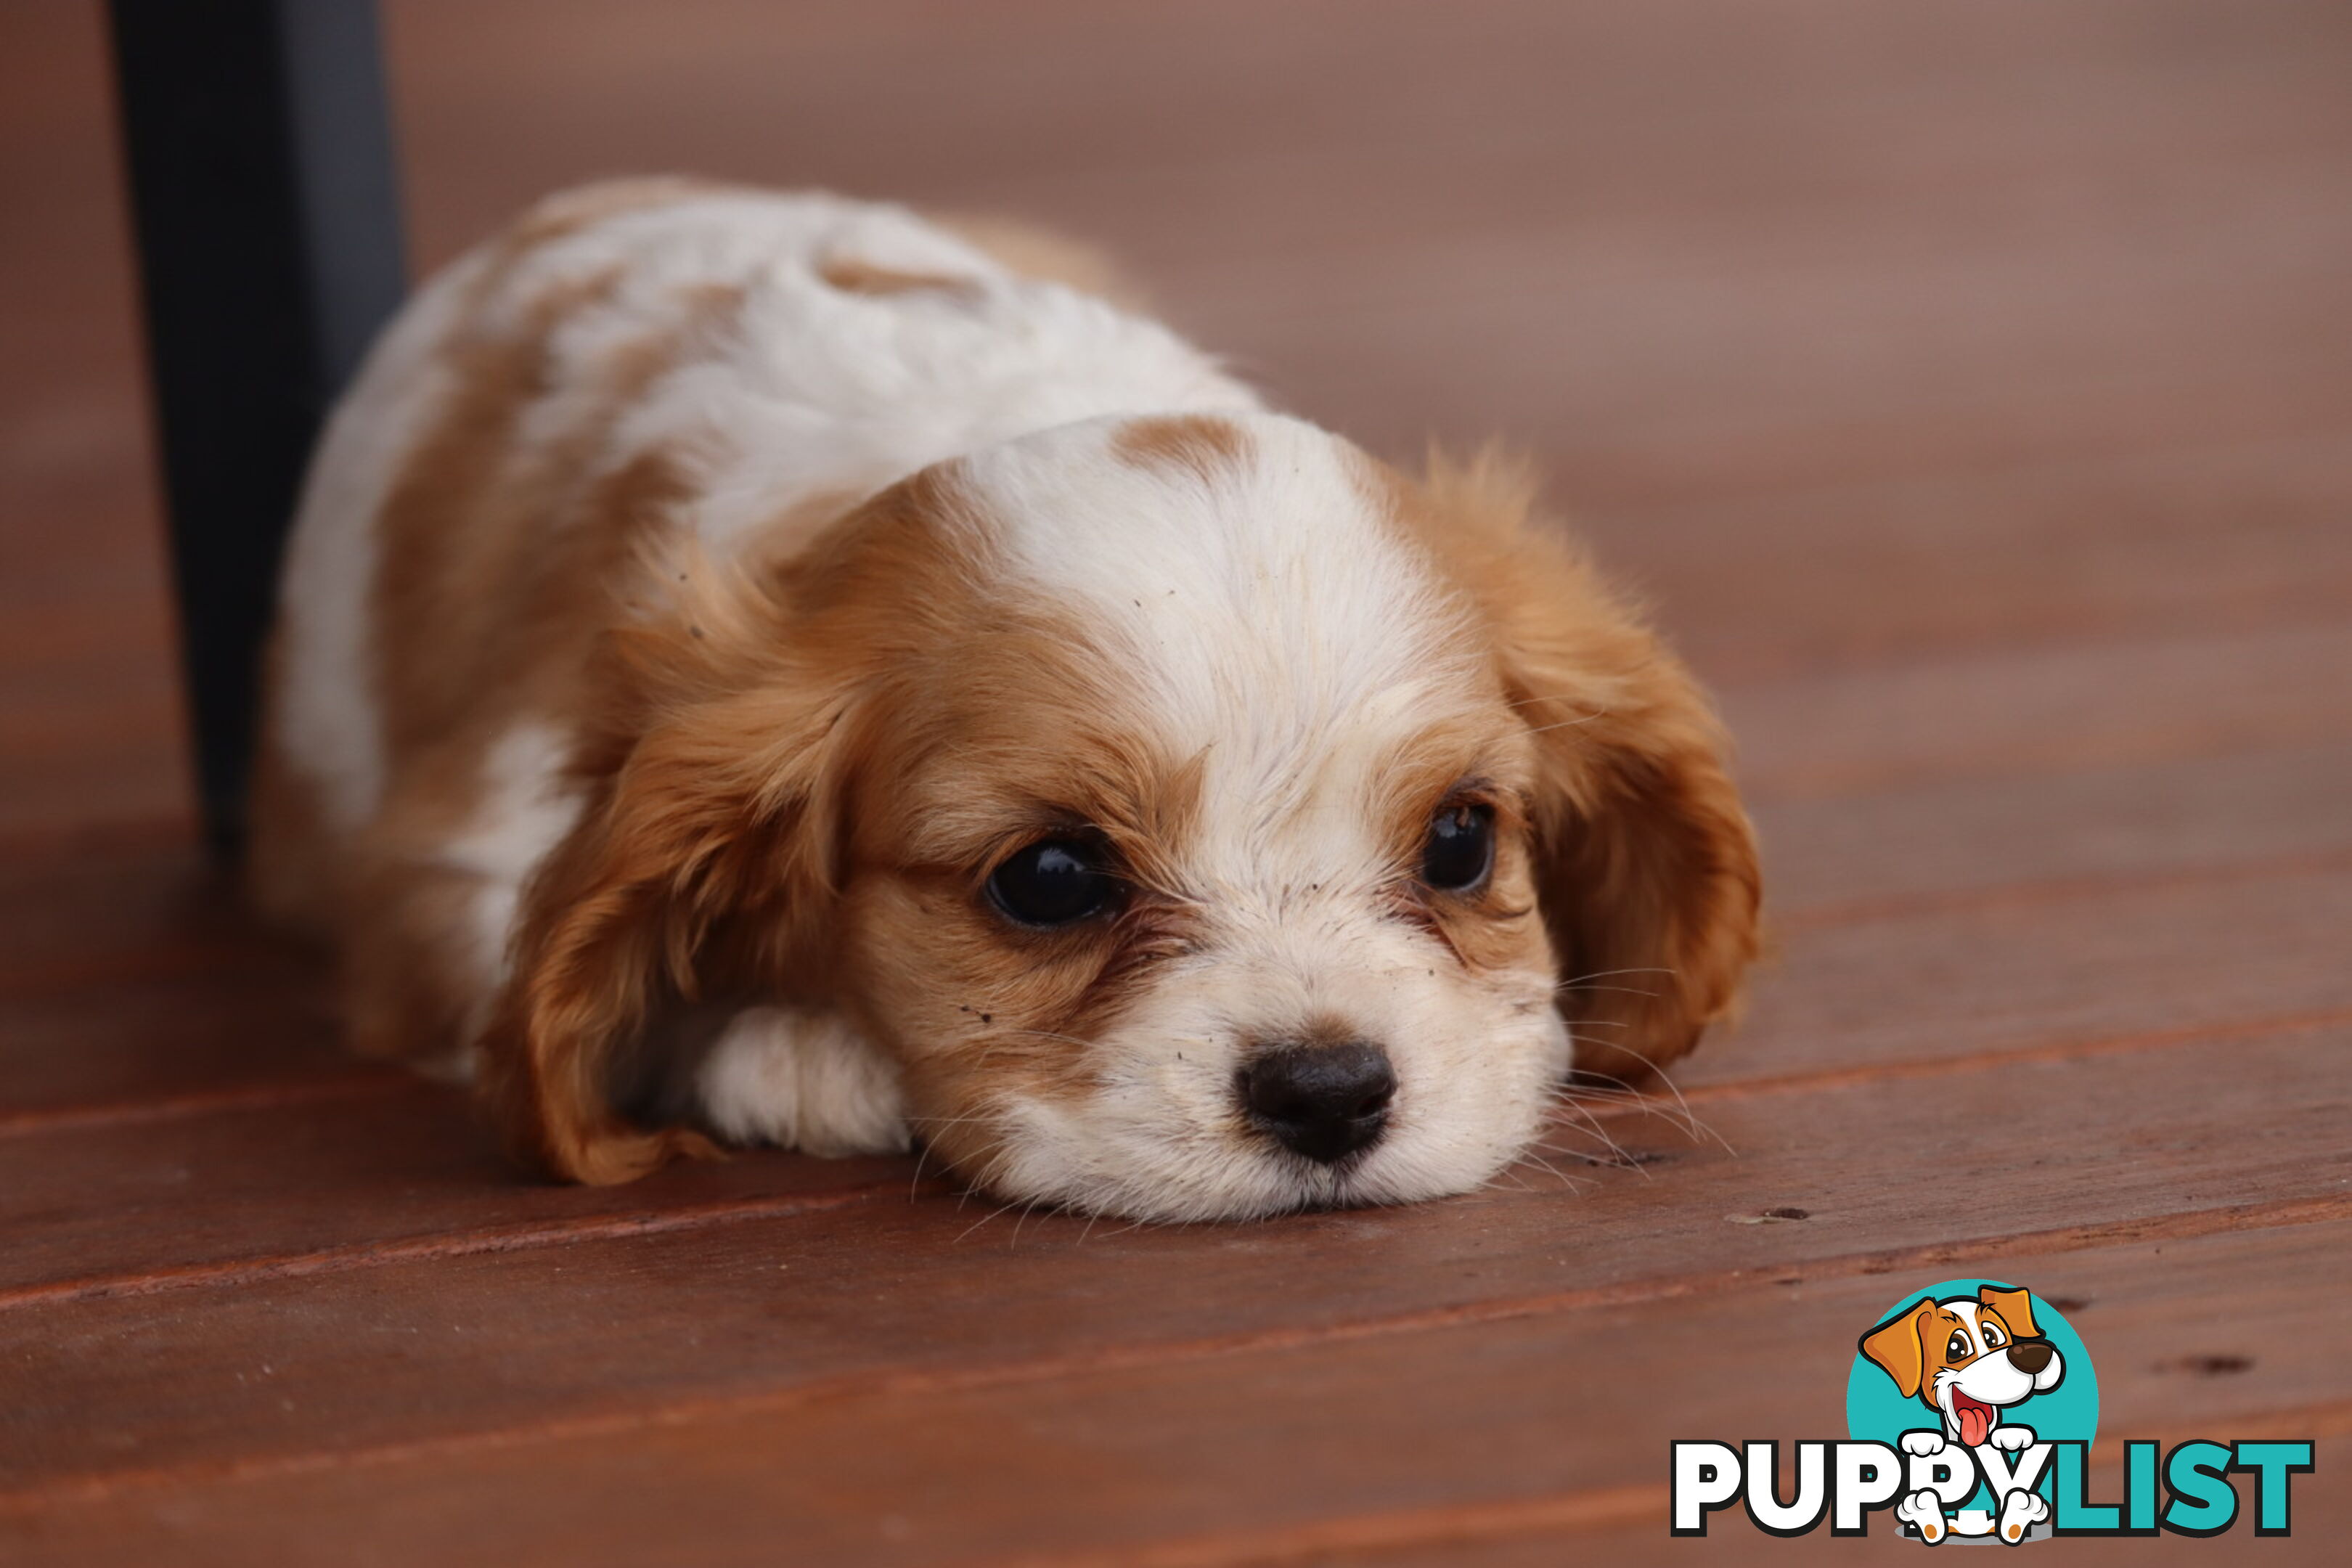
(759, 669)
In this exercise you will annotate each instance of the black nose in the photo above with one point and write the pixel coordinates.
(2030, 1356)
(1322, 1100)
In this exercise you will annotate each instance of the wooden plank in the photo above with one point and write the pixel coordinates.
(128, 974)
(137, 1049)
(1139, 1449)
(362, 1353)
(2043, 710)
(1684, 271)
(95, 907)
(1864, 856)
(327, 1155)
(336, 1174)
(1763, 587)
(88, 705)
(2047, 969)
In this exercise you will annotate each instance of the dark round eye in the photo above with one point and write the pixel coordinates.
(1460, 848)
(1054, 882)
(1958, 1346)
(1992, 1336)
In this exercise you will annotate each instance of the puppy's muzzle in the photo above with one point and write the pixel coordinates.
(1322, 1102)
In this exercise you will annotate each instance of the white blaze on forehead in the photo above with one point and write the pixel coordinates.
(1262, 609)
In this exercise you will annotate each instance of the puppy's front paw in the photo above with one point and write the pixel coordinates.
(2010, 1438)
(1923, 1444)
(2020, 1511)
(1924, 1511)
(801, 1081)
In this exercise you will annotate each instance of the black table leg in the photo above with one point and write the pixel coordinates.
(267, 218)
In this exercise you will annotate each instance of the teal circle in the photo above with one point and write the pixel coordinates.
(1877, 1410)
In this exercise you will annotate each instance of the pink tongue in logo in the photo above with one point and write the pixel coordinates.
(1975, 1421)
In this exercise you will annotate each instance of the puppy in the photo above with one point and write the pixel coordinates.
(762, 668)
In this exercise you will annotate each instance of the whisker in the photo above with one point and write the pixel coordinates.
(914, 1187)
(1588, 1125)
(1534, 1153)
(1611, 974)
(1683, 1115)
(983, 1220)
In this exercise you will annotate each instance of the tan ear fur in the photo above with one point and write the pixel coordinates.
(1647, 864)
(1895, 1347)
(706, 844)
(2015, 1306)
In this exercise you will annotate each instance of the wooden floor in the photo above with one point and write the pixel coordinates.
(1970, 382)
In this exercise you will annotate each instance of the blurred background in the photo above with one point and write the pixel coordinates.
(1850, 330)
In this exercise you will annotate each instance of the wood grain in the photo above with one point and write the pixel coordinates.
(1104, 1456)
(366, 1355)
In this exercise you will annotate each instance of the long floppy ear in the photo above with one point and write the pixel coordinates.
(706, 844)
(1645, 861)
(1895, 1347)
(2015, 1306)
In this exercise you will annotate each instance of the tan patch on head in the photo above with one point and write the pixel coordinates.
(1200, 446)
(854, 274)
(1029, 251)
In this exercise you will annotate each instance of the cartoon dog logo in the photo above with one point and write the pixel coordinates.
(1970, 1360)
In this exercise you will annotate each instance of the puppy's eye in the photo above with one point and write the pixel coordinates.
(1958, 1347)
(1054, 882)
(1992, 1337)
(1460, 848)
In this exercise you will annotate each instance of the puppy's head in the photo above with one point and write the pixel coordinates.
(1208, 821)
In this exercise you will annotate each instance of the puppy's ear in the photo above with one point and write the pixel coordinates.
(2015, 1306)
(1645, 861)
(706, 848)
(1895, 1347)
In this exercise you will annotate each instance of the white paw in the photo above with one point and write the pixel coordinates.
(2010, 1438)
(801, 1081)
(1924, 1511)
(1923, 1442)
(2020, 1511)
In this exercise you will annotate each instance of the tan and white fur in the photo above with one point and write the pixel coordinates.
(703, 591)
